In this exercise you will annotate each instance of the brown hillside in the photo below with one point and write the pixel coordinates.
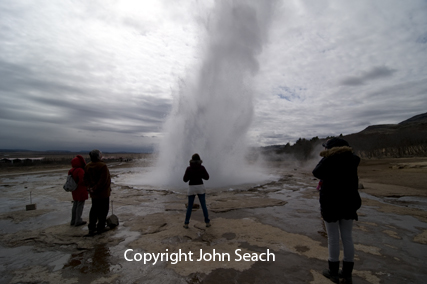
(408, 138)
(405, 139)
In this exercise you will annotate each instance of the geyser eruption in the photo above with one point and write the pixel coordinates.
(214, 109)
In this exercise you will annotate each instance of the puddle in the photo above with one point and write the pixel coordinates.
(96, 260)
(403, 221)
(418, 202)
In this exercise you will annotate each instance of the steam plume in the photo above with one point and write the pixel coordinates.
(214, 109)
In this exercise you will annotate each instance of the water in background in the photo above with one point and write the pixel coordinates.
(214, 108)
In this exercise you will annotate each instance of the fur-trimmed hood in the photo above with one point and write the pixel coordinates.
(195, 162)
(335, 151)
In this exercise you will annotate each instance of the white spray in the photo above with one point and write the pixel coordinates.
(214, 109)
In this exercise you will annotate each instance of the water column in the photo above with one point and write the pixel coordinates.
(214, 108)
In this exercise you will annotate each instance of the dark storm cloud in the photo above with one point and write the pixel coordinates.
(373, 74)
(147, 116)
(30, 96)
(23, 81)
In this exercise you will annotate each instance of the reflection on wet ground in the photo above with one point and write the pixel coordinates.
(418, 202)
(281, 215)
(96, 260)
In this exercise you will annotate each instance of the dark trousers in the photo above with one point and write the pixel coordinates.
(202, 199)
(98, 213)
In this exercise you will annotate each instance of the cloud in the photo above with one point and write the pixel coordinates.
(373, 74)
(94, 67)
(107, 72)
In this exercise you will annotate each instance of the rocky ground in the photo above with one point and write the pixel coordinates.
(278, 218)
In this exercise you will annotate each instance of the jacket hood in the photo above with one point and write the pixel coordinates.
(336, 151)
(78, 162)
(195, 163)
(335, 142)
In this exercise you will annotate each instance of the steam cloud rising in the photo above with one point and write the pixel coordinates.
(214, 109)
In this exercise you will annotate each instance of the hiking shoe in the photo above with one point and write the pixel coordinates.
(208, 225)
(185, 226)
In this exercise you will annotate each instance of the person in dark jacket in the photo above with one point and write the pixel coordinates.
(339, 202)
(195, 174)
(80, 195)
(98, 181)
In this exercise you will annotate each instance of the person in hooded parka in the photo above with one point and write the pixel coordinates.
(80, 195)
(339, 201)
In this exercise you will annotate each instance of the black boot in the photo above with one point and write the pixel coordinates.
(332, 272)
(347, 269)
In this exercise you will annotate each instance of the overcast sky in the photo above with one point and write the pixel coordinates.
(78, 75)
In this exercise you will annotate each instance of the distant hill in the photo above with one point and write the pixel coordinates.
(407, 138)
(413, 122)
(14, 150)
(58, 152)
(421, 118)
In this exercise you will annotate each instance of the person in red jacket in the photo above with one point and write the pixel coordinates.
(194, 174)
(80, 195)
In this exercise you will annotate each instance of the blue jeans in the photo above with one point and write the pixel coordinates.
(202, 199)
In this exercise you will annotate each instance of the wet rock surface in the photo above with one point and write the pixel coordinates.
(261, 233)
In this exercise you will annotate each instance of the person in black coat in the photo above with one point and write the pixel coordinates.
(194, 175)
(339, 202)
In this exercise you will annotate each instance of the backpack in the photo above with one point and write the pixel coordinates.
(70, 184)
(113, 220)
